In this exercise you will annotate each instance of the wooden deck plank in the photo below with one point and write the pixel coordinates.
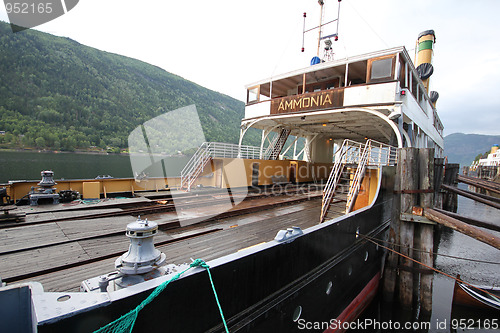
(254, 228)
(44, 258)
(18, 238)
(76, 229)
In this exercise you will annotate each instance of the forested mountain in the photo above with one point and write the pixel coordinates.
(56, 93)
(464, 148)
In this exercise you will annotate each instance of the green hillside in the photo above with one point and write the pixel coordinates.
(56, 93)
(463, 148)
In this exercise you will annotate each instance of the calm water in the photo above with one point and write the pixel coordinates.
(480, 273)
(28, 165)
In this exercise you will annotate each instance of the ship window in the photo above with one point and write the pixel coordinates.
(329, 288)
(402, 74)
(63, 298)
(381, 69)
(253, 95)
(414, 86)
(297, 313)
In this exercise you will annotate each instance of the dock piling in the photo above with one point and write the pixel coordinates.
(407, 165)
(426, 231)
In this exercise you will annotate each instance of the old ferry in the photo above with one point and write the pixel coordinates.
(335, 125)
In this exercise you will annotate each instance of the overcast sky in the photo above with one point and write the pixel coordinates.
(224, 45)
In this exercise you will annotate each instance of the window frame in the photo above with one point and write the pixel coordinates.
(385, 78)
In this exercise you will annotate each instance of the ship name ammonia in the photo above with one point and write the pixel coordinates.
(316, 101)
(305, 102)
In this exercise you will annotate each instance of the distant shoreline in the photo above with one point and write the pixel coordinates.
(60, 151)
(83, 152)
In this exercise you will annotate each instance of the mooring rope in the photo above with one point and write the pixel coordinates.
(126, 322)
(368, 238)
(435, 253)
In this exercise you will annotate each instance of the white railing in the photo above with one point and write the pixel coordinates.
(195, 166)
(358, 177)
(229, 150)
(209, 150)
(371, 153)
(333, 181)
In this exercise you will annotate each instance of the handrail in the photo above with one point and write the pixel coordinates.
(358, 176)
(209, 150)
(373, 153)
(332, 182)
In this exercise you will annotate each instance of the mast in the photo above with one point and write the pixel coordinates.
(322, 13)
(328, 53)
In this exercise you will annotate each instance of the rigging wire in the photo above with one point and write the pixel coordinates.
(368, 238)
(368, 24)
(436, 253)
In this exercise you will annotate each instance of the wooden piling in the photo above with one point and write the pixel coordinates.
(426, 231)
(438, 180)
(408, 158)
(450, 202)
(390, 269)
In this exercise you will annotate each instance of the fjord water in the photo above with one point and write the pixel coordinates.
(476, 262)
(26, 165)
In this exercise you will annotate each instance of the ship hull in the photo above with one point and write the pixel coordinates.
(315, 281)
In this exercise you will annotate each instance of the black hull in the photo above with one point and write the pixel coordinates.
(329, 271)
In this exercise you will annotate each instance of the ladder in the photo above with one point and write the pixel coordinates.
(274, 149)
(360, 156)
(333, 181)
(358, 177)
(195, 166)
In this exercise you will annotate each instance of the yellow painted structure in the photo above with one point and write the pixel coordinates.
(368, 190)
(220, 172)
(229, 172)
(91, 190)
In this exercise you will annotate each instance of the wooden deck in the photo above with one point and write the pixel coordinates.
(62, 254)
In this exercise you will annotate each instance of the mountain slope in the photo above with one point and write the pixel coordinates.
(56, 93)
(463, 148)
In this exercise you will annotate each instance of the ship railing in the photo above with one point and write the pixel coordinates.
(358, 177)
(209, 150)
(333, 179)
(359, 155)
(195, 166)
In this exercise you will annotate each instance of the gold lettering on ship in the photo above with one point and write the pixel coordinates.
(305, 102)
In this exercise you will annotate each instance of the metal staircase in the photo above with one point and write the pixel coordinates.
(273, 151)
(195, 166)
(358, 177)
(333, 181)
(360, 156)
(209, 150)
